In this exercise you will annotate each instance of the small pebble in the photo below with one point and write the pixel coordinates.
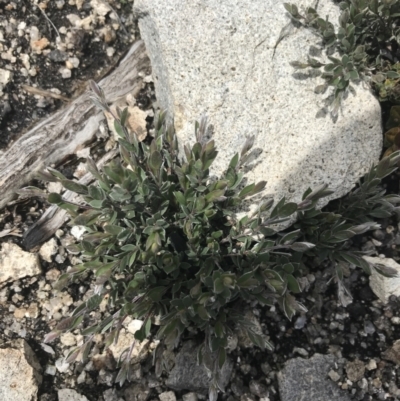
(258, 389)
(167, 396)
(81, 378)
(65, 73)
(68, 339)
(190, 397)
(371, 365)
(59, 233)
(77, 231)
(245, 368)
(60, 4)
(300, 351)
(50, 370)
(300, 322)
(379, 235)
(61, 365)
(57, 56)
(369, 328)
(333, 375)
(110, 51)
(389, 229)
(363, 383)
(377, 382)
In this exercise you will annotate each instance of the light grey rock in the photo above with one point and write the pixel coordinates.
(81, 378)
(61, 365)
(68, 339)
(371, 365)
(333, 375)
(65, 73)
(137, 392)
(50, 370)
(101, 8)
(57, 56)
(140, 349)
(307, 379)
(220, 59)
(111, 395)
(16, 263)
(382, 286)
(258, 389)
(188, 375)
(48, 249)
(70, 395)
(167, 396)
(78, 231)
(189, 397)
(300, 322)
(5, 76)
(393, 353)
(355, 370)
(19, 373)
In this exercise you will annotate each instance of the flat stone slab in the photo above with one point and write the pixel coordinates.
(221, 59)
(66, 394)
(19, 373)
(383, 287)
(307, 379)
(15, 263)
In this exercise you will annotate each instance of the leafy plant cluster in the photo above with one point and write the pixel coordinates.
(364, 46)
(165, 246)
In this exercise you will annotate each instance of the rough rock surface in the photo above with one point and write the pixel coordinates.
(70, 395)
(382, 286)
(136, 392)
(19, 373)
(125, 340)
(225, 63)
(16, 263)
(306, 379)
(48, 249)
(187, 375)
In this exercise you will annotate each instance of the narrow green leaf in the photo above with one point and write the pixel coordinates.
(287, 210)
(75, 187)
(246, 191)
(54, 198)
(119, 129)
(301, 246)
(155, 161)
(156, 293)
(292, 283)
(221, 357)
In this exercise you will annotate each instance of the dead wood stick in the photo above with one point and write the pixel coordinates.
(70, 128)
(44, 93)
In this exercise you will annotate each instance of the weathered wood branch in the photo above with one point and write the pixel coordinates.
(66, 131)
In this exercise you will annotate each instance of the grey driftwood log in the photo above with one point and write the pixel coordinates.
(70, 128)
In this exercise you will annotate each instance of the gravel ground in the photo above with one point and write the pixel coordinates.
(360, 336)
(50, 49)
(84, 43)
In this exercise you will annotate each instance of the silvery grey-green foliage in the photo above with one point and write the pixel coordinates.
(165, 246)
(365, 45)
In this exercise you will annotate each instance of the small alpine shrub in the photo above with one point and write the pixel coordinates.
(366, 45)
(165, 246)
